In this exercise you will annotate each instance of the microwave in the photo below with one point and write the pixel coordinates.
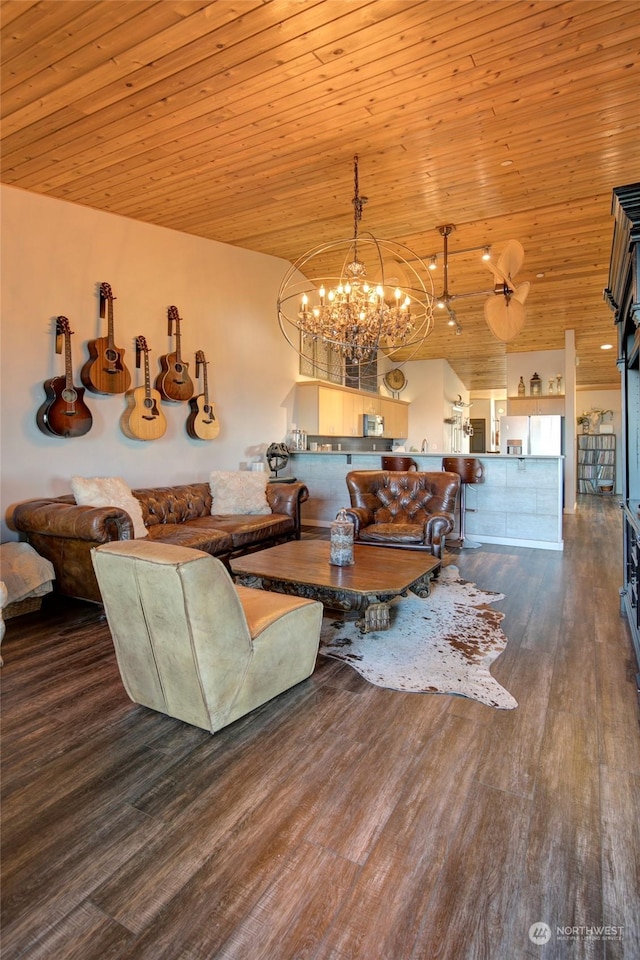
(372, 425)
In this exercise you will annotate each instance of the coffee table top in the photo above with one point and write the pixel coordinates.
(376, 569)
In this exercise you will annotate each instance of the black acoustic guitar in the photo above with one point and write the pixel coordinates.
(64, 412)
(173, 382)
(202, 423)
(105, 371)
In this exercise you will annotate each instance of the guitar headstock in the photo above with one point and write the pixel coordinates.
(62, 327)
(105, 291)
(174, 317)
(200, 361)
(141, 347)
(62, 330)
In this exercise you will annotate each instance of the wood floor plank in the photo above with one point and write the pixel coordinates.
(620, 792)
(471, 911)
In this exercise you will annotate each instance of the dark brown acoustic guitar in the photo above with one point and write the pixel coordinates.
(64, 412)
(104, 371)
(173, 382)
(143, 419)
(202, 423)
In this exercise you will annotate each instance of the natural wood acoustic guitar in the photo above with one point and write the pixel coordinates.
(143, 419)
(64, 412)
(173, 382)
(105, 371)
(202, 423)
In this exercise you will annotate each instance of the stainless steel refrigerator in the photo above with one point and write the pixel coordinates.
(546, 435)
(532, 435)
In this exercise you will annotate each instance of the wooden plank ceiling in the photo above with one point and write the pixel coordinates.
(238, 120)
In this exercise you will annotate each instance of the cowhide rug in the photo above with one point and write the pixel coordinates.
(444, 644)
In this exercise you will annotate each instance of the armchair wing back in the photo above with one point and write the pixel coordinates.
(403, 509)
(189, 643)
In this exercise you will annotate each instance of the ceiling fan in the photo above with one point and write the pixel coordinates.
(504, 309)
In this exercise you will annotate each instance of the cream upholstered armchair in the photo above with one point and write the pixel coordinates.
(192, 645)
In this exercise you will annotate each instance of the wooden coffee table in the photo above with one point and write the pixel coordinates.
(379, 574)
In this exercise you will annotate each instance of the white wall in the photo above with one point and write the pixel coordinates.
(546, 363)
(54, 257)
(432, 387)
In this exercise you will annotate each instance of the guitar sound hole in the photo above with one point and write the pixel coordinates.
(178, 368)
(111, 355)
(69, 395)
(148, 402)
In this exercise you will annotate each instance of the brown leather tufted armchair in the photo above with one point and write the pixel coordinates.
(411, 510)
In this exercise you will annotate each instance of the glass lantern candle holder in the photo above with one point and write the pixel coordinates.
(536, 385)
(341, 543)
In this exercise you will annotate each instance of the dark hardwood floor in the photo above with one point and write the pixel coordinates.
(340, 820)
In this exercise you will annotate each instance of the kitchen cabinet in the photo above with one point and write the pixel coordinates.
(353, 408)
(328, 411)
(544, 406)
(396, 419)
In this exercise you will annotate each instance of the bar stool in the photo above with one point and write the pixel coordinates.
(399, 463)
(471, 471)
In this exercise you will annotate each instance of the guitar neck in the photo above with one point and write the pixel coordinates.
(68, 374)
(205, 384)
(110, 334)
(147, 376)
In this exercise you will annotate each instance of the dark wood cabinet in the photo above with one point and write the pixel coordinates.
(623, 296)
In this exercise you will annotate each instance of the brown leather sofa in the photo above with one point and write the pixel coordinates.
(412, 510)
(65, 533)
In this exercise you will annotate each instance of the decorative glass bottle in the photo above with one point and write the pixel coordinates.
(521, 388)
(536, 385)
(341, 546)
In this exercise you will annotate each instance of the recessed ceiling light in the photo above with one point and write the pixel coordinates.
(506, 163)
(539, 274)
(607, 346)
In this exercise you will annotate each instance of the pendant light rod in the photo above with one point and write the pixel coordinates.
(445, 231)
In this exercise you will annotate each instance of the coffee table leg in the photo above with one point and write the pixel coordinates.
(422, 586)
(376, 617)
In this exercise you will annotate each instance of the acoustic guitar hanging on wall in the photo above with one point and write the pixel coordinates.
(173, 382)
(64, 412)
(202, 423)
(143, 419)
(105, 371)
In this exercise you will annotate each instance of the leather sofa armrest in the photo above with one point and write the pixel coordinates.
(287, 498)
(360, 517)
(435, 530)
(51, 518)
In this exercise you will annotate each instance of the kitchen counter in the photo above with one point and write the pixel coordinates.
(519, 504)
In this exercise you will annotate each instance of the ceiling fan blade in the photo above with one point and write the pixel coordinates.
(522, 292)
(505, 318)
(502, 278)
(511, 259)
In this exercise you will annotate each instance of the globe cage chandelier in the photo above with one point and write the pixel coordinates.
(380, 299)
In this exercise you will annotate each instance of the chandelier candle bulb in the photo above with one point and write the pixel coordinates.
(341, 546)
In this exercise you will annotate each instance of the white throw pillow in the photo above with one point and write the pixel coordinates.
(109, 492)
(238, 492)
